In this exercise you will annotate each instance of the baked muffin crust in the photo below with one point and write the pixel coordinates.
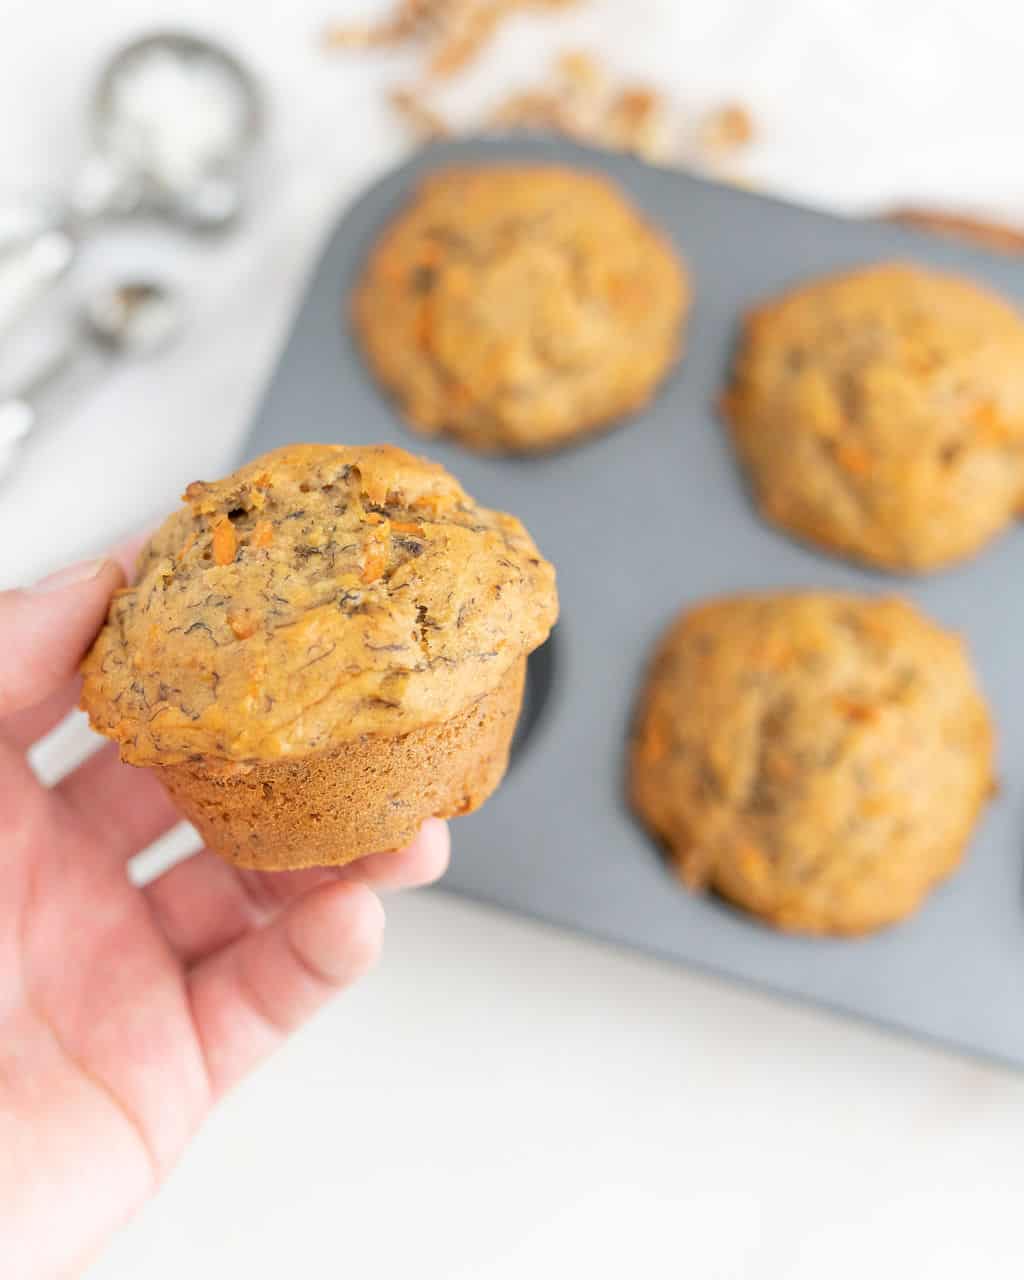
(819, 759)
(517, 308)
(318, 594)
(880, 414)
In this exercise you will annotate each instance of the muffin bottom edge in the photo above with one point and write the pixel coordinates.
(370, 795)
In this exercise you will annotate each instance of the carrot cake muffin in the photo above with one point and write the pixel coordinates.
(519, 308)
(321, 651)
(818, 759)
(880, 414)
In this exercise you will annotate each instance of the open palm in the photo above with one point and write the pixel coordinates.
(126, 1012)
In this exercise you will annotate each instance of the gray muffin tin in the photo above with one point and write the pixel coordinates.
(648, 518)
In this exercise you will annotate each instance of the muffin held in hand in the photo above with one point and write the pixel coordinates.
(818, 759)
(881, 414)
(518, 308)
(321, 651)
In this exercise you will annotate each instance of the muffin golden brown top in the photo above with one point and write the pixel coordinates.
(319, 593)
(881, 414)
(820, 759)
(517, 308)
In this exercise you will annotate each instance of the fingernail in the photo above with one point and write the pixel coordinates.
(70, 576)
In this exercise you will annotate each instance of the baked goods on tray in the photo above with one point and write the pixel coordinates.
(880, 414)
(818, 759)
(517, 309)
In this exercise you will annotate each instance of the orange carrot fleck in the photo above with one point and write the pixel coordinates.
(854, 458)
(263, 534)
(406, 526)
(374, 565)
(374, 517)
(429, 254)
(990, 426)
(225, 543)
(860, 712)
(432, 502)
(654, 747)
(242, 624)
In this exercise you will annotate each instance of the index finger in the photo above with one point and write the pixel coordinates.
(23, 728)
(45, 630)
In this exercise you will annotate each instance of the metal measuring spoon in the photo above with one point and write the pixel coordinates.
(132, 318)
(174, 121)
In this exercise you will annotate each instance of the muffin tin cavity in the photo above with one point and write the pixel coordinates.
(541, 673)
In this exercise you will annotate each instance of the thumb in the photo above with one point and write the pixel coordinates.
(46, 629)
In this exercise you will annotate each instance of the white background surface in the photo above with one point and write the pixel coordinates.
(500, 1100)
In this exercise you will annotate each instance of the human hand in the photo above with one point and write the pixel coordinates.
(124, 1012)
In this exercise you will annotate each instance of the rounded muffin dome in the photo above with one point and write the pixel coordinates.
(880, 414)
(818, 759)
(318, 594)
(516, 308)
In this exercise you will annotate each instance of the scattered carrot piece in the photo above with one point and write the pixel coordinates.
(854, 458)
(225, 542)
(429, 254)
(406, 526)
(654, 746)
(242, 624)
(374, 565)
(432, 502)
(861, 712)
(263, 534)
(991, 427)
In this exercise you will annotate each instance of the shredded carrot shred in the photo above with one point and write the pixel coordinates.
(860, 712)
(854, 458)
(225, 542)
(654, 747)
(374, 567)
(406, 526)
(263, 534)
(433, 502)
(242, 624)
